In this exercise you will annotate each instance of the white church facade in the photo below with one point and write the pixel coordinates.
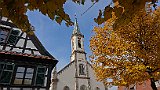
(78, 74)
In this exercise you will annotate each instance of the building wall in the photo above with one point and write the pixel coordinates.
(81, 56)
(66, 78)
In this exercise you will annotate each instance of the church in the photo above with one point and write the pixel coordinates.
(78, 74)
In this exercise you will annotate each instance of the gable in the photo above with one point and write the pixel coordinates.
(66, 67)
(14, 40)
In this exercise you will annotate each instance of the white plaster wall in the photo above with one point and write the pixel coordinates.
(83, 82)
(74, 38)
(81, 56)
(1, 47)
(73, 57)
(8, 48)
(24, 35)
(66, 78)
(94, 82)
(17, 50)
(27, 51)
(30, 45)
(36, 53)
(20, 43)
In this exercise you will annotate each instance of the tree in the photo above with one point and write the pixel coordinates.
(130, 54)
(124, 10)
(15, 10)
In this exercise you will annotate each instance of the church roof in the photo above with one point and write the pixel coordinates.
(76, 28)
(67, 66)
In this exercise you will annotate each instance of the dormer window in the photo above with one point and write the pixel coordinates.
(8, 36)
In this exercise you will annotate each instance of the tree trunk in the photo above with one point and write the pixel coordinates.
(153, 85)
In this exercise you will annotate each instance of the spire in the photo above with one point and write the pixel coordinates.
(76, 27)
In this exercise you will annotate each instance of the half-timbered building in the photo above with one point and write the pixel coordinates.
(24, 63)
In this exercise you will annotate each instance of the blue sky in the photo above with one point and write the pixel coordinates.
(56, 38)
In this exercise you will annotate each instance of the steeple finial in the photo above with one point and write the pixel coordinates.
(76, 27)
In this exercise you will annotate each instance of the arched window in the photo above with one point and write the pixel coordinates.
(83, 87)
(79, 42)
(81, 69)
(72, 45)
(66, 88)
(97, 88)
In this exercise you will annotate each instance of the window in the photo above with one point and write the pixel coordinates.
(83, 87)
(81, 69)
(41, 71)
(3, 35)
(79, 42)
(66, 88)
(6, 70)
(24, 76)
(72, 45)
(97, 88)
(132, 88)
(13, 37)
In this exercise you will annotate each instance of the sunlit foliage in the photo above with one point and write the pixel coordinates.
(124, 10)
(130, 54)
(15, 10)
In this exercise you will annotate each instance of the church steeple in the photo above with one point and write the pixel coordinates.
(77, 40)
(76, 28)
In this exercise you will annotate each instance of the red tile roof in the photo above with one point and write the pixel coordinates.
(24, 54)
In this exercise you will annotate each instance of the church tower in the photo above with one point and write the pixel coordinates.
(78, 74)
(78, 55)
(77, 43)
